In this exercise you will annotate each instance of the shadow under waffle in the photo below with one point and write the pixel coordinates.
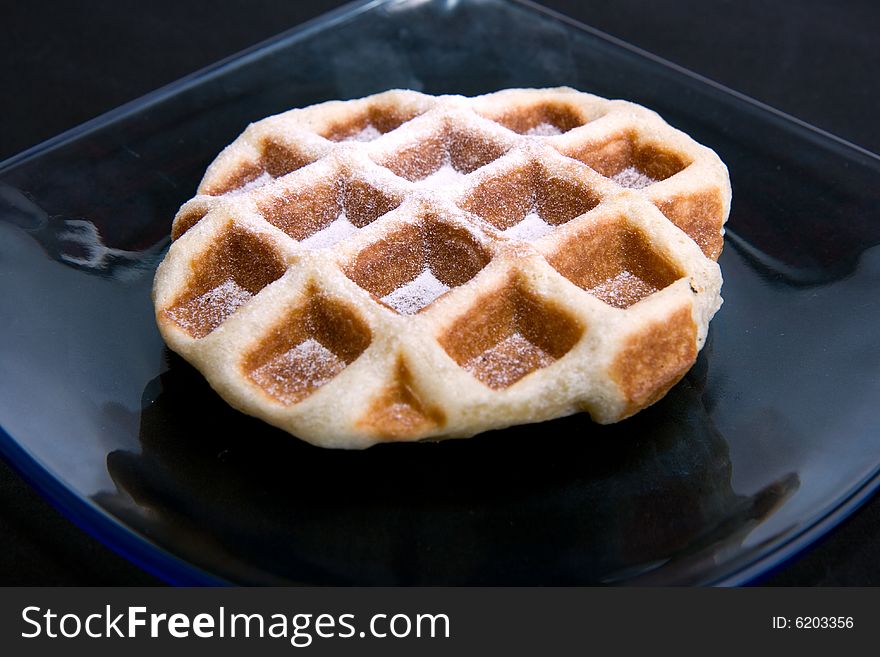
(561, 502)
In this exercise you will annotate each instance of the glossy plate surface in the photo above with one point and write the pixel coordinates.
(768, 442)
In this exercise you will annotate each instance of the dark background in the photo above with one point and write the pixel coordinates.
(64, 63)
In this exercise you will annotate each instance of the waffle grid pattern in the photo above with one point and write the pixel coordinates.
(403, 266)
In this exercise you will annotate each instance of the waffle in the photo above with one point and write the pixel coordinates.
(403, 266)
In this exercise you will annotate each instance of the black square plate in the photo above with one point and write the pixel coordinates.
(769, 441)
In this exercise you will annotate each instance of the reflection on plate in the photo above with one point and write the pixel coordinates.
(565, 501)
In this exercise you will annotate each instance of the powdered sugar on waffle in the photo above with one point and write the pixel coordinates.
(532, 227)
(508, 361)
(616, 290)
(333, 233)
(410, 298)
(543, 130)
(263, 179)
(444, 177)
(214, 306)
(368, 133)
(307, 365)
(632, 178)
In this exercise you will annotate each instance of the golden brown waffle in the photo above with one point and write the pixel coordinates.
(404, 266)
